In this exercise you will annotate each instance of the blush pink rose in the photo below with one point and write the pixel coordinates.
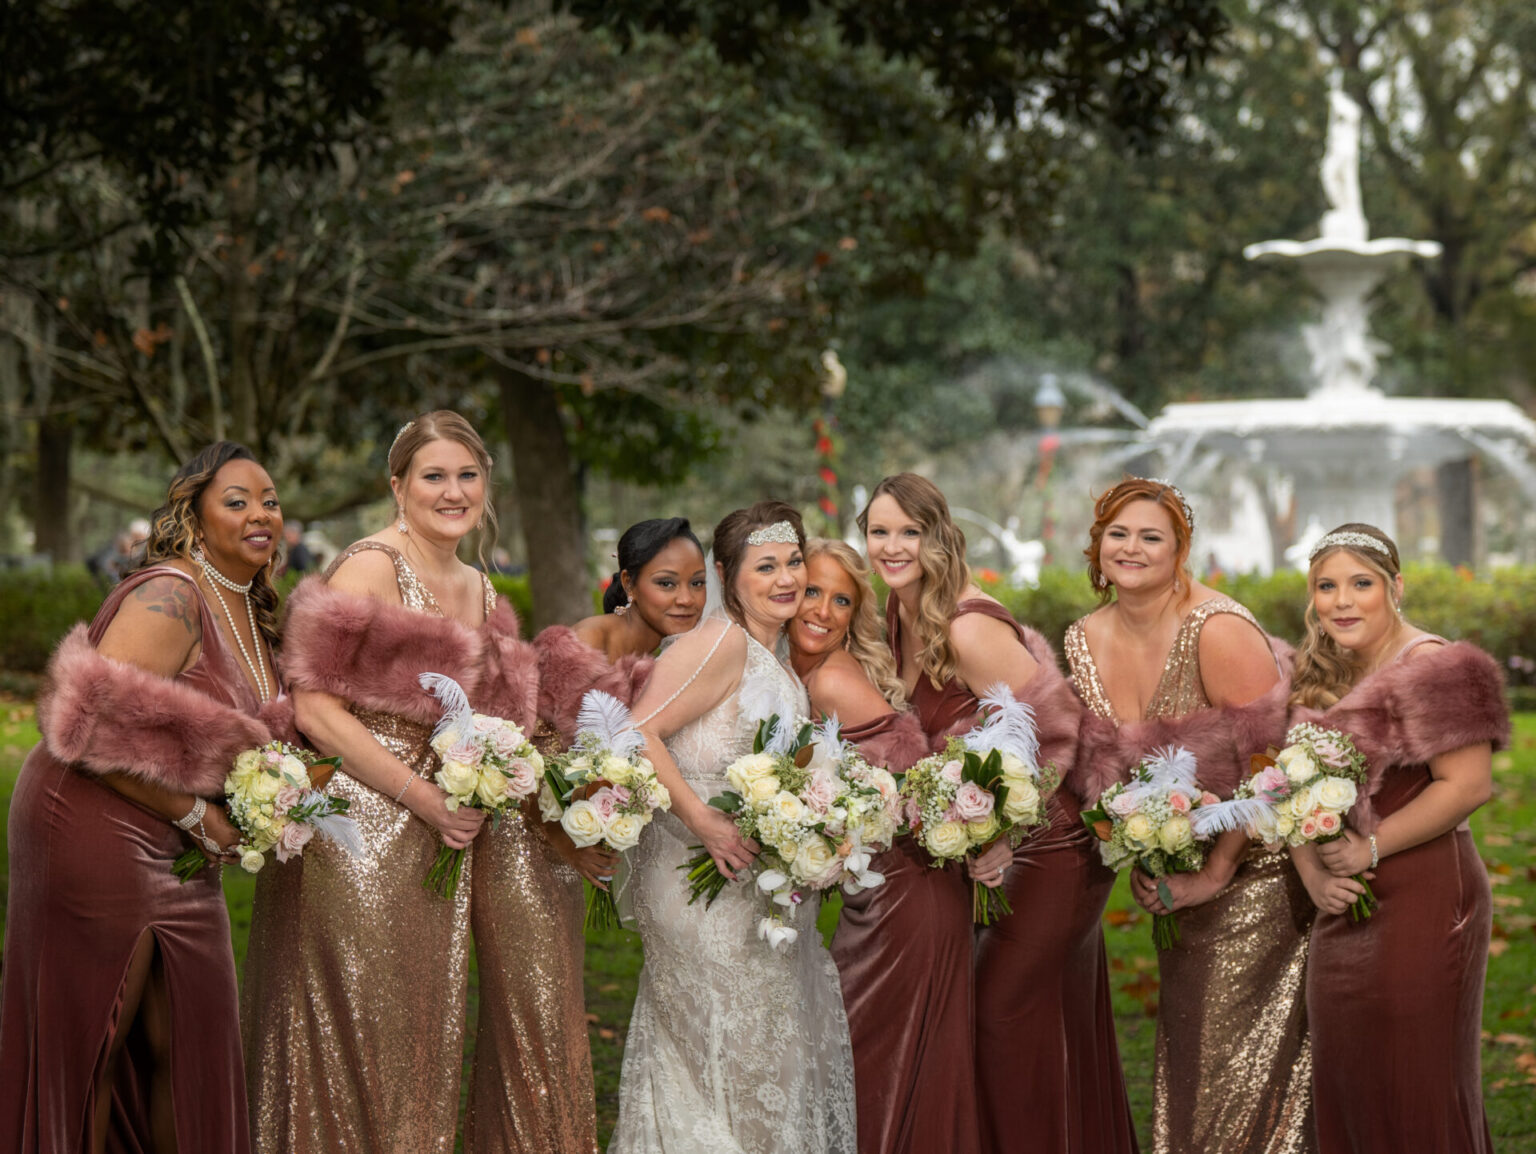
(1209, 798)
(951, 771)
(913, 811)
(506, 741)
(972, 803)
(1178, 802)
(1122, 805)
(820, 792)
(293, 839)
(607, 805)
(485, 724)
(1328, 824)
(523, 777)
(1309, 828)
(464, 750)
(287, 798)
(1272, 780)
(622, 793)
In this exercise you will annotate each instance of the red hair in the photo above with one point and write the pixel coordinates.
(1114, 500)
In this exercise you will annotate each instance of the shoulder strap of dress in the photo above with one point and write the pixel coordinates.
(692, 677)
(402, 567)
(490, 595)
(1416, 642)
(988, 608)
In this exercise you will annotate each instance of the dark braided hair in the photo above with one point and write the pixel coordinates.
(173, 528)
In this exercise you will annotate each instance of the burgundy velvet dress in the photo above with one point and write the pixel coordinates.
(903, 954)
(1396, 1001)
(90, 875)
(1047, 1064)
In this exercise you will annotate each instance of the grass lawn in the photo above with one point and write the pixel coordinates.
(1506, 833)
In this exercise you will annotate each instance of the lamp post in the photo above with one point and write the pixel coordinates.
(1050, 402)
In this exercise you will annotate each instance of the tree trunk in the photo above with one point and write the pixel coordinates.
(51, 509)
(548, 500)
(1456, 482)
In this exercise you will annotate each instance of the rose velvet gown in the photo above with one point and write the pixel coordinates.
(1045, 1060)
(903, 959)
(356, 975)
(90, 875)
(1396, 1001)
(1233, 1064)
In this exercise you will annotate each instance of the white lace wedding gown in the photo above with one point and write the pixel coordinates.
(733, 1048)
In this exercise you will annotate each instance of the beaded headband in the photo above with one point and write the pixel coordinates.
(779, 533)
(404, 429)
(1189, 513)
(1350, 539)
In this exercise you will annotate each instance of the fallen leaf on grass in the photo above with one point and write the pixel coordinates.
(1508, 901)
(1122, 917)
(606, 1034)
(1496, 947)
(1512, 1040)
(1496, 839)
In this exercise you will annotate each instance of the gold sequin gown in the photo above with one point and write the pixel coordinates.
(356, 975)
(1234, 1066)
(531, 1085)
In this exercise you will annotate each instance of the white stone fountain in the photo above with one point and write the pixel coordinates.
(1345, 444)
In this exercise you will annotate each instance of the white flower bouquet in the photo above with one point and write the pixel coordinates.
(818, 810)
(603, 791)
(275, 802)
(486, 762)
(1301, 795)
(1153, 822)
(985, 785)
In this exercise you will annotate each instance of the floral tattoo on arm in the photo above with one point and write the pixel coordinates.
(171, 599)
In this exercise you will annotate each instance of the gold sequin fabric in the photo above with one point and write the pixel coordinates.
(356, 975)
(531, 1086)
(1234, 1063)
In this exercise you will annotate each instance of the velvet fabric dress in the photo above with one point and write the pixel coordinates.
(531, 1081)
(1233, 1065)
(1396, 1001)
(90, 875)
(903, 960)
(1045, 1059)
(356, 975)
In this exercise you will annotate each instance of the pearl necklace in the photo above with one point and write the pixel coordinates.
(258, 667)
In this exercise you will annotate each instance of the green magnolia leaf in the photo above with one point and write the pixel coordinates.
(728, 802)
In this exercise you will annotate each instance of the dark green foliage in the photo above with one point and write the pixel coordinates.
(37, 607)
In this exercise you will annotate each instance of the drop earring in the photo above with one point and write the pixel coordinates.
(400, 525)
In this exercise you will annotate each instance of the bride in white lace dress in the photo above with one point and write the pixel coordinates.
(734, 1047)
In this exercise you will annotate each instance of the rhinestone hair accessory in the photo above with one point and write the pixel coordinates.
(1189, 512)
(1350, 539)
(779, 533)
(404, 429)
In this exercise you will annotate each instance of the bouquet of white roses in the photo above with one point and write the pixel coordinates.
(603, 790)
(1152, 822)
(1301, 795)
(487, 763)
(275, 802)
(985, 785)
(816, 808)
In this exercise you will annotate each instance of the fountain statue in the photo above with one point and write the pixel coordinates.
(1344, 446)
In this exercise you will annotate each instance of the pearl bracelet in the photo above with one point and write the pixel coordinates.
(193, 816)
(1375, 857)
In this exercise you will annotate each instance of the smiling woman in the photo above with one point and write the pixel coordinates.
(119, 1023)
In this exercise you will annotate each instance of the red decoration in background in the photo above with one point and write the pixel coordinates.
(826, 449)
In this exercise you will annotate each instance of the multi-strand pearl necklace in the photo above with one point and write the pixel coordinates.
(258, 667)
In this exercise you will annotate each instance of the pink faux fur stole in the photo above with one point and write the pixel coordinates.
(509, 683)
(107, 716)
(1416, 709)
(568, 667)
(895, 741)
(1222, 740)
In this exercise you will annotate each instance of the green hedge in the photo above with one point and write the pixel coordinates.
(1497, 612)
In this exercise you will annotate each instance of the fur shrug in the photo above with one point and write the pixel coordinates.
(1221, 738)
(371, 653)
(569, 667)
(1413, 710)
(106, 716)
(895, 741)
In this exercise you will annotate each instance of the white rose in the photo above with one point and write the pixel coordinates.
(491, 788)
(818, 863)
(583, 823)
(624, 831)
(1023, 802)
(1176, 833)
(1138, 831)
(293, 770)
(1284, 823)
(1297, 763)
(948, 839)
(1335, 793)
(984, 829)
(549, 804)
(265, 786)
(443, 742)
(1013, 767)
(754, 766)
(1302, 803)
(617, 770)
(458, 779)
(251, 860)
(762, 790)
(1264, 827)
(248, 762)
(788, 808)
(660, 796)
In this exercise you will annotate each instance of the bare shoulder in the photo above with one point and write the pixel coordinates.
(593, 631)
(840, 685)
(973, 629)
(1239, 650)
(157, 626)
(1231, 634)
(368, 573)
(723, 637)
